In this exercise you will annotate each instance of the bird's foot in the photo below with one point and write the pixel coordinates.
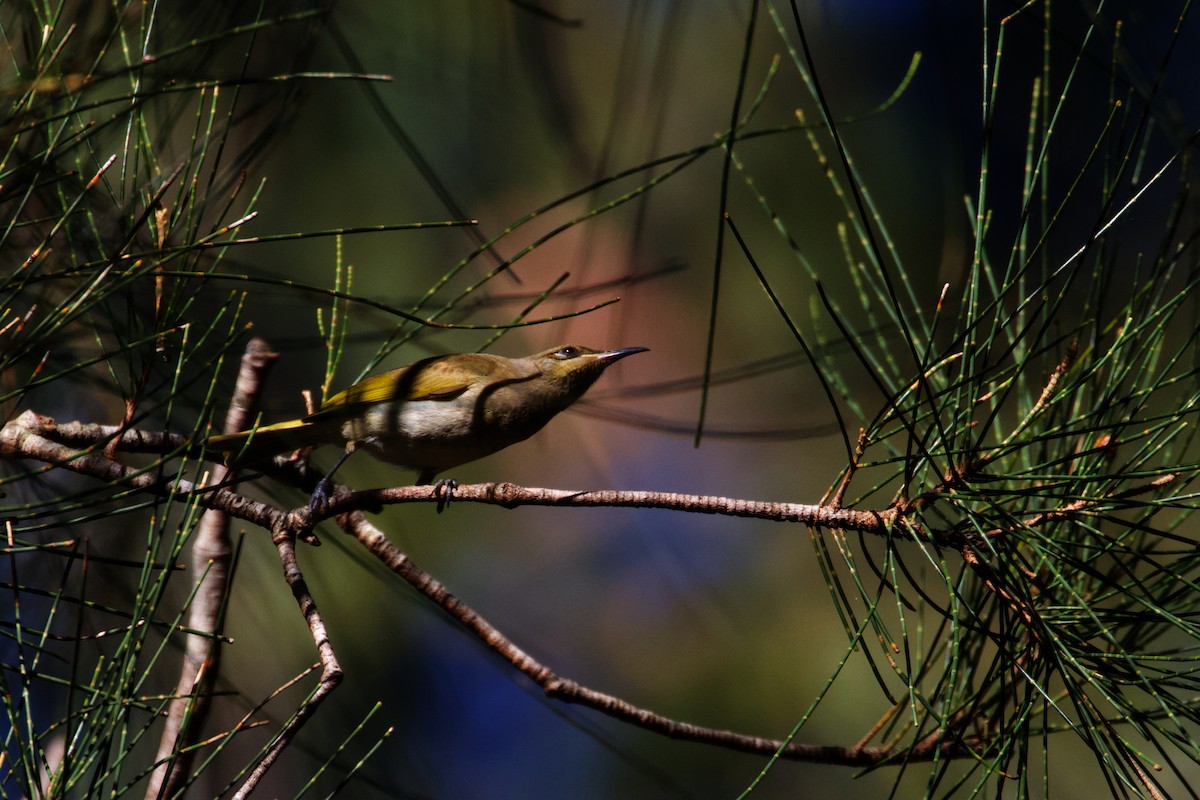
(320, 497)
(324, 488)
(443, 490)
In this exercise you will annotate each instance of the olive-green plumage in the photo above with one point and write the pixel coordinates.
(439, 412)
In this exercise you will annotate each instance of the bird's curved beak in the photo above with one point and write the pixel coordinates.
(609, 356)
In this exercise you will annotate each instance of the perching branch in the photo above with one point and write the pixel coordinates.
(33, 437)
(508, 495)
(29, 437)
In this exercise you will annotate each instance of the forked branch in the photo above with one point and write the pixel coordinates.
(32, 437)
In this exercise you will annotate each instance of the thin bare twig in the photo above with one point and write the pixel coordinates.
(568, 691)
(508, 495)
(212, 554)
(85, 434)
(23, 439)
(331, 671)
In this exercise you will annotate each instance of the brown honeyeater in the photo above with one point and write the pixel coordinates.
(437, 413)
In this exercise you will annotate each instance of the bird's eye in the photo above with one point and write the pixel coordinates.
(567, 352)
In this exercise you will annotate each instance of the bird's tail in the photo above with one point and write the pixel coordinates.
(259, 444)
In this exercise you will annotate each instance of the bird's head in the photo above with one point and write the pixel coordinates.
(573, 368)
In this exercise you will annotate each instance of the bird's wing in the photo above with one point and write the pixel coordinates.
(437, 378)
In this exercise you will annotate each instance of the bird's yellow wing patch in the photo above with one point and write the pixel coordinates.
(437, 378)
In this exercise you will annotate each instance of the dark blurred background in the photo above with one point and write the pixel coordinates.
(720, 622)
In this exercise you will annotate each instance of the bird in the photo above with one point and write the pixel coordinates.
(434, 414)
